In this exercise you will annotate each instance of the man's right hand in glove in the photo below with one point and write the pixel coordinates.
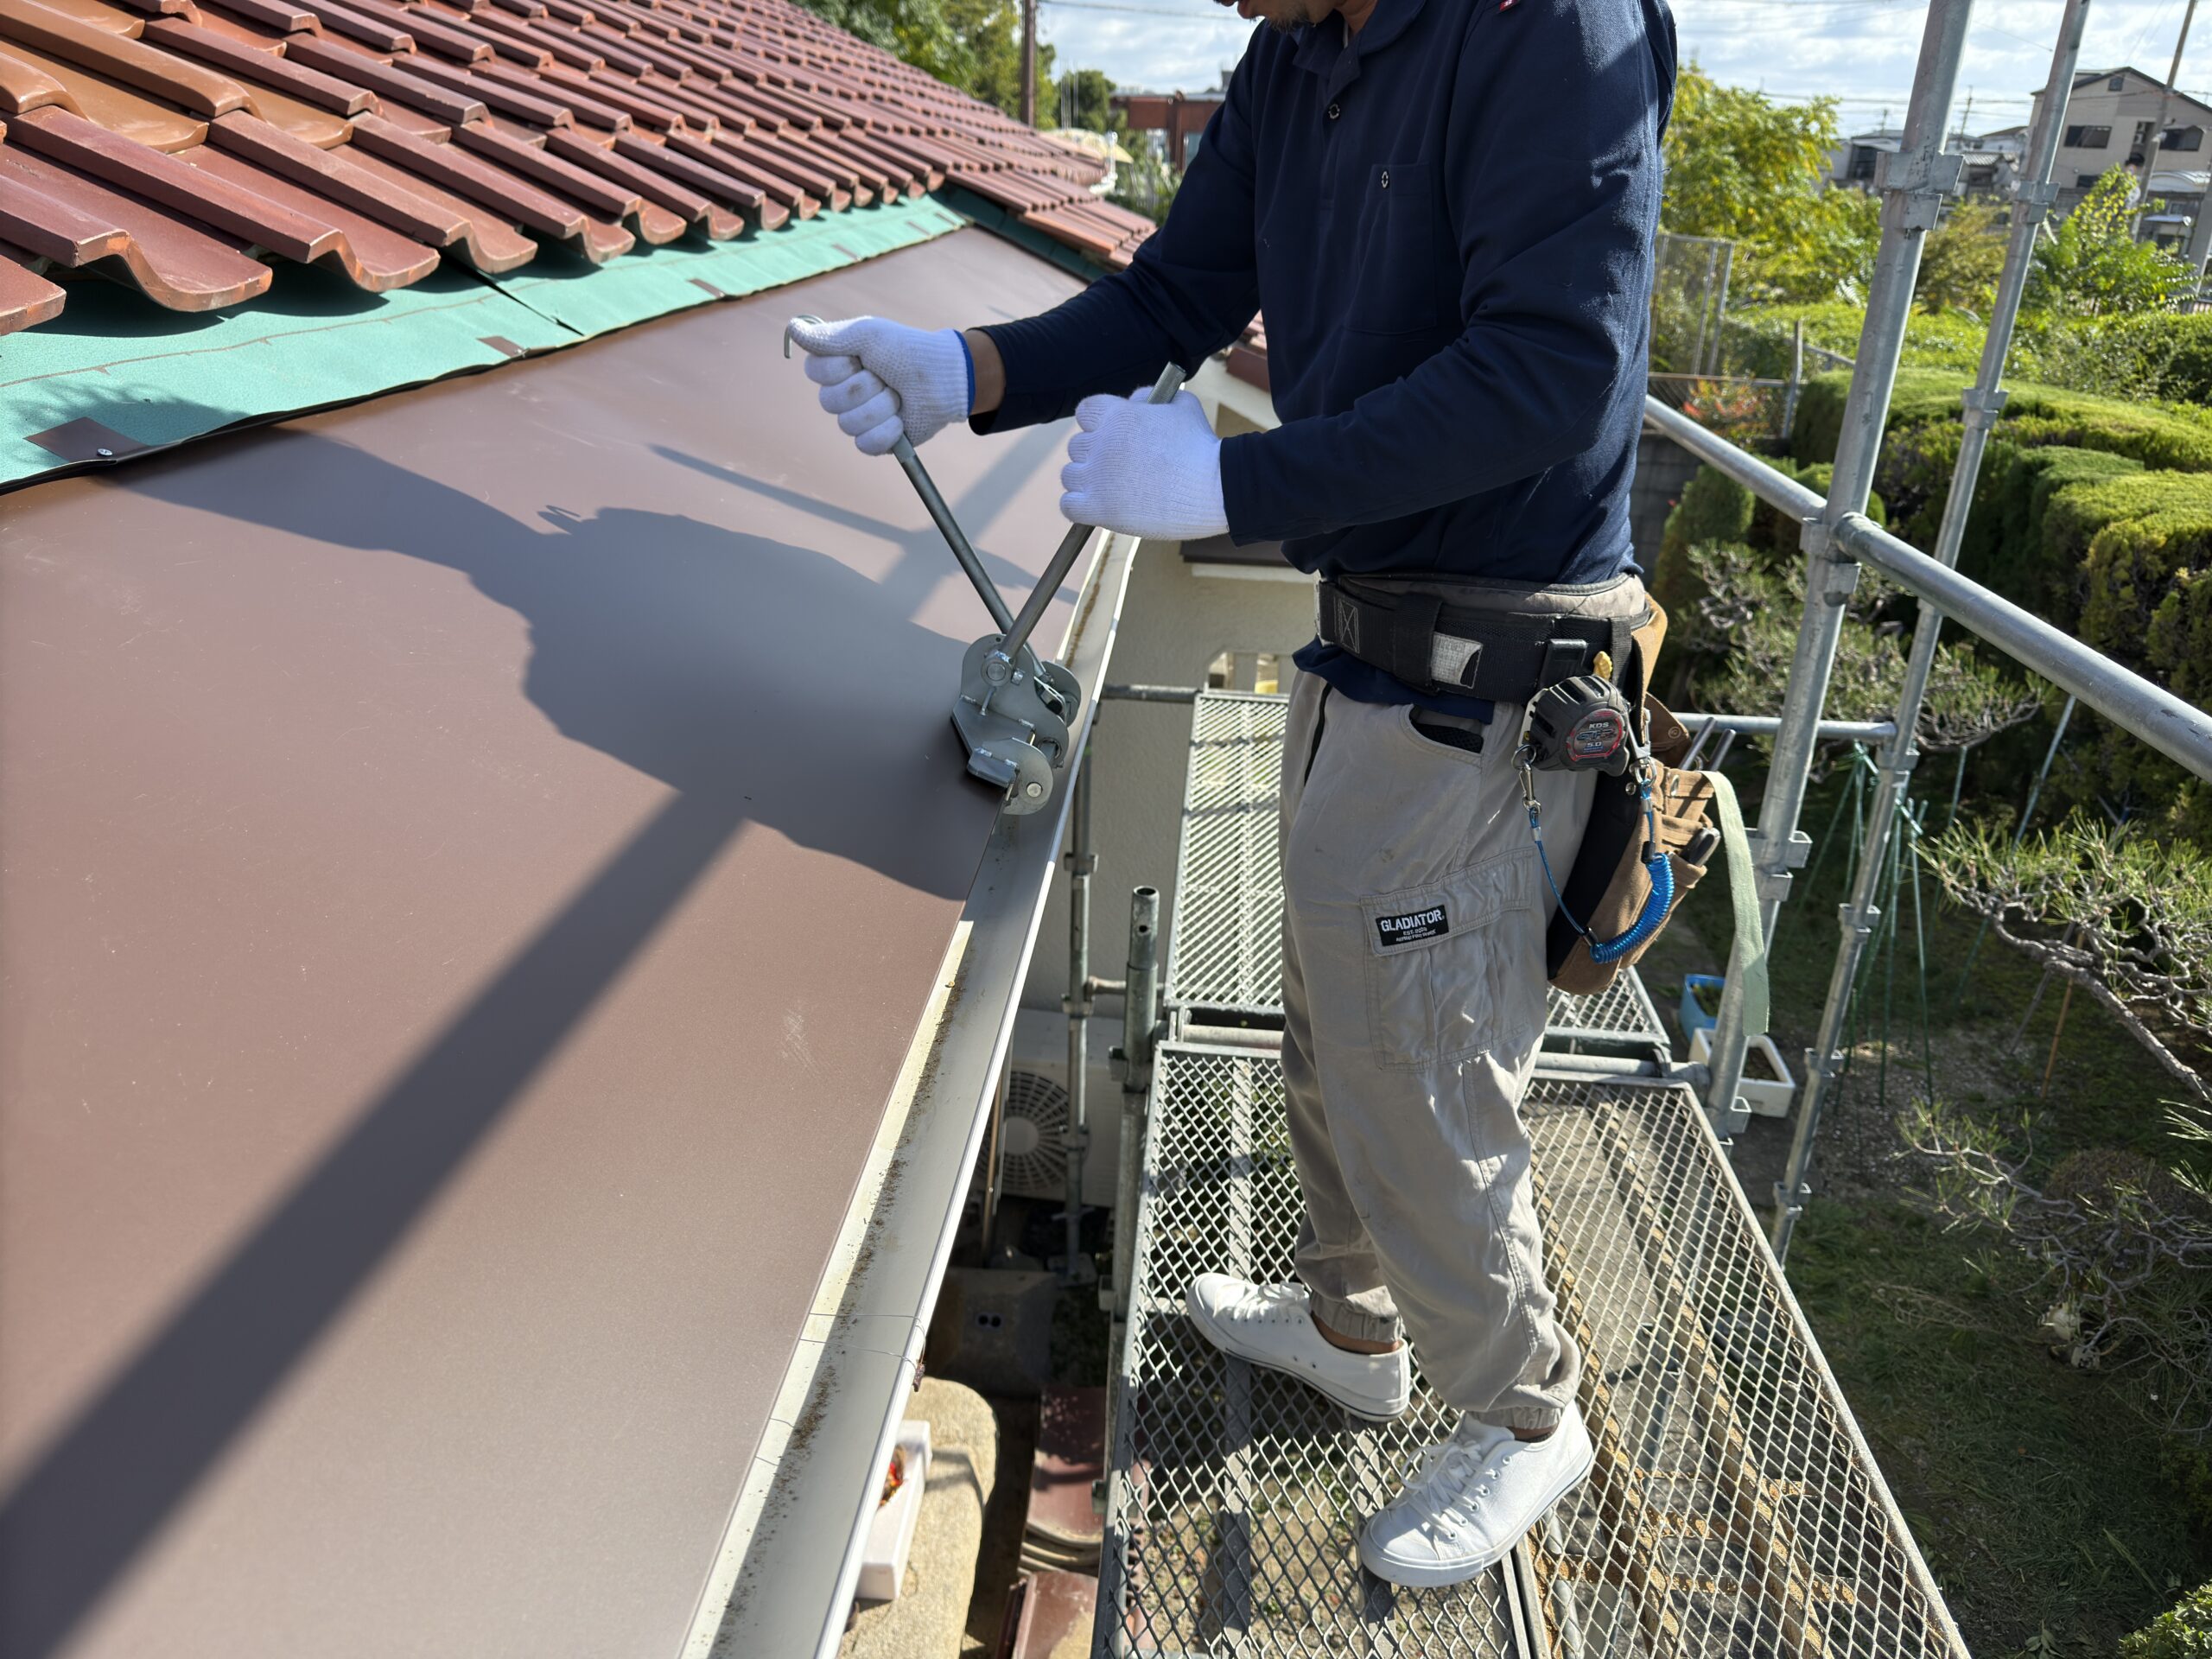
(883, 380)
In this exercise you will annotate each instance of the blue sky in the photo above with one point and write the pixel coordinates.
(1861, 51)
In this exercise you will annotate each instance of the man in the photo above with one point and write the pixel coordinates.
(1445, 209)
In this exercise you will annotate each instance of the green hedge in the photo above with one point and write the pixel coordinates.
(2010, 542)
(1713, 507)
(2163, 352)
(2173, 438)
(2142, 544)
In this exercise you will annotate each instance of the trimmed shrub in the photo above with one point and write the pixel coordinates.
(2005, 546)
(2140, 547)
(1920, 395)
(1714, 508)
(1776, 532)
(2175, 439)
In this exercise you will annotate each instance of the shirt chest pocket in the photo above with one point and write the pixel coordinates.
(1456, 968)
(1394, 234)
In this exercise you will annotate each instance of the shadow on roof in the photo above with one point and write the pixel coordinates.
(724, 665)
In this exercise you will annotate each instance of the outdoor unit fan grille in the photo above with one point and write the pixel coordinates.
(1031, 1162)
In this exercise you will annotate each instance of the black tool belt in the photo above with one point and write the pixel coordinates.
(1434, 646)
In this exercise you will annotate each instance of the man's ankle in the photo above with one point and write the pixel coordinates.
(1350, 1345)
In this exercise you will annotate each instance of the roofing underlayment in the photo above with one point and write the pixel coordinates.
(474, 864)
(363, 194)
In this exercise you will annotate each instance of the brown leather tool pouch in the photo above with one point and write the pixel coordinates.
(1609, 884)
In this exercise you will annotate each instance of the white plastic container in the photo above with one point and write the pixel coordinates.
(891, 1534)
(1767, 1086)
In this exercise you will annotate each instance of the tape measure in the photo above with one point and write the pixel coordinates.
(1581, 723)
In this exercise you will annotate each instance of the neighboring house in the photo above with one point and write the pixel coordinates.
(2109, 116)
(1990, 161)
(1181, 116)
(1857, 160)
(502, 968)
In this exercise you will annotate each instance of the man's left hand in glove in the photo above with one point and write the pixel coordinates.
(1144, 469)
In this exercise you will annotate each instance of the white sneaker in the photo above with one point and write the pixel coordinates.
(1271, 1326)
(1470, 1501)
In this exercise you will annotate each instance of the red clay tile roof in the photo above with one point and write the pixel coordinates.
(195, 150)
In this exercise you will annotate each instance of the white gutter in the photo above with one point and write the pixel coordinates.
(784, 1576)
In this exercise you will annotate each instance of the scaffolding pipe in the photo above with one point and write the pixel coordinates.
(1139, 1026)
(1914, 182)
(1983, 402)
(1140, 1018)
(1832, 731)
(1075, 1139)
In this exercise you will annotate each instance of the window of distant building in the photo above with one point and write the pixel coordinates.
(2085, 181)
(2116, 84)
(2183, 138)
(2087, 138)
(1863, 159)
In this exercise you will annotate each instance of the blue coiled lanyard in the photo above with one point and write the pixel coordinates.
(1657, 866)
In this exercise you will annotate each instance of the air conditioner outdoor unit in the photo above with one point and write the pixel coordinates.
(1031, 1164)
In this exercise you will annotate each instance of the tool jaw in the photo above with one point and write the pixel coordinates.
(1017, 728)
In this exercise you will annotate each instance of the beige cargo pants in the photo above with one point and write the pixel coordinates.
(1414, 999)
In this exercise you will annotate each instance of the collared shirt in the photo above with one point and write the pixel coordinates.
(1447, 220)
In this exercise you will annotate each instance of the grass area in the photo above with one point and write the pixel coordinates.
(2050, 1502)
(2047, 1507)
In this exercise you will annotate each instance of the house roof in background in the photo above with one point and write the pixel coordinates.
(203, 153)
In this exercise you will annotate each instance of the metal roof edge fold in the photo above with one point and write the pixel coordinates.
(791, 1557)
(146, 379)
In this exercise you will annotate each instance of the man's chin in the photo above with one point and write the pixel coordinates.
(1284, 16)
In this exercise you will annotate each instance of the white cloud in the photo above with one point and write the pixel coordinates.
(1861, 51)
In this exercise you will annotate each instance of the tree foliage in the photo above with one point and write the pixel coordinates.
(2093, 266)
(1961, 258)
(1746, 618)
(1084, 99)
(1741, 166)
(975, 45)
(2129, 921)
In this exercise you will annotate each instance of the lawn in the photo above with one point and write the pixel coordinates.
(2050, 1502)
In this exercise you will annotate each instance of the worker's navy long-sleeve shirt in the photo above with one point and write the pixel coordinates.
(1447, 222)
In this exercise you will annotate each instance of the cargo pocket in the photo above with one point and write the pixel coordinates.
(1456, 968)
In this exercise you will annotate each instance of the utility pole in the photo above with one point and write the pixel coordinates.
(2158, 129)
(1029, 61)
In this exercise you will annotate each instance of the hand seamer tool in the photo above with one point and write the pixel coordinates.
(1015, 709)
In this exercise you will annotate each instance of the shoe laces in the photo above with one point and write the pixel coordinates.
(1264, 1301)
(1452, 1478)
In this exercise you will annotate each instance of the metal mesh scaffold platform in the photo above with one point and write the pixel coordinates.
(1224, 953)
(1733, 1510)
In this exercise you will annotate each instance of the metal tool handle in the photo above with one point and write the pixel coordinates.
(955, 537)
(1000, 663)
(948, 526)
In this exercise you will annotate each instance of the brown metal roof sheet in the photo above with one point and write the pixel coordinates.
(473, 865)
(465, 98)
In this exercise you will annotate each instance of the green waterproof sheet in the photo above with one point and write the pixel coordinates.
(158, 377)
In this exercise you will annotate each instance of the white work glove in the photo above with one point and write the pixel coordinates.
(1145, 469)
(881, 378)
